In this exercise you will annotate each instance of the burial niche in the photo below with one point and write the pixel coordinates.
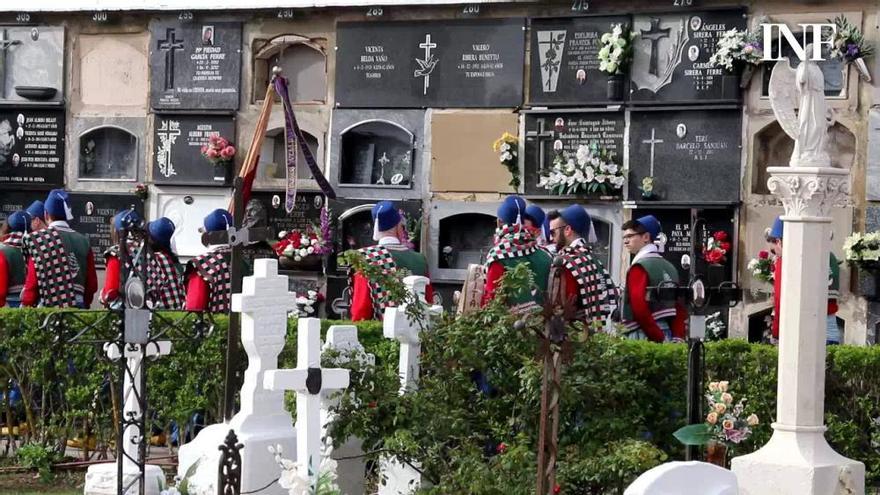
(773, 148)
(464, 239)
(378, 153)
(108, 153)
(302, 61)
(273, 156)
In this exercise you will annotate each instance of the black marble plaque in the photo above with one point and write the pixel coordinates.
(269, 209)
(353, 225)
(544, 131)
(177, 142)
(694, 155)
(671, 57)
(31, 148)
(676, 226)
(195, 66)
(565, 61)
(12, 201)
(93, 216)
(472, 63)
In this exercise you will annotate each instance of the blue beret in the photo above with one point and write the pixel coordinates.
(512, 210)
(651, 225)
(776, 230)
(58, 205)
(124, 217)
(385, 216)
(161, 231)
(578, 219)
(36, 209)
(218, 220)
(535, 214)
(20, 221)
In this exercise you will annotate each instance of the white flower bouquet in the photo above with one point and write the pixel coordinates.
(506, 147)
(863, 250)
(590, 171)
(616, 52)
(737, 47)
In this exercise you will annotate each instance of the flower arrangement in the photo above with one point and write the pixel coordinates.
(306, 306)
(716, 249)
(590, 171)
(219, 150)
(311, 241)
(863, 250)
(737, 47)
(647, 187)
(715, 327)
(762, 266)
(141, 191)
(297, 483)
(726, 422)
(848, 42)
(506, 146)
(616, 50)
(411, 231)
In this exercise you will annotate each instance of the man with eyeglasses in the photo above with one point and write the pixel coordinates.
(514, 244)
(587, 282)
(645, 319)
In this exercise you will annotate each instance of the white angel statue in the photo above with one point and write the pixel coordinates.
(804, 90)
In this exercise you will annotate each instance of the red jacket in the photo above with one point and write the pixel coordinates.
(30, 295)
(362, 300)
(110, 292)
(637, 287)
(4, 280)
(197, 292)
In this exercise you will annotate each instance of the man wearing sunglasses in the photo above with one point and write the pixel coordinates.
(586, 280)
(652, 319)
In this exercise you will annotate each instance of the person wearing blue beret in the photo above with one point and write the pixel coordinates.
(587, 282)
(649, 318)
(209, 275)
(13, 266)
(61, 265)
(368, 298)
(513, 245)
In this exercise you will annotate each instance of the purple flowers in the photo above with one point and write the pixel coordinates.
(852, 51)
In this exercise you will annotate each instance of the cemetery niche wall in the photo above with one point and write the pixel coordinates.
(32, 65)
(271, 168)
(549, 134)
(377, 154)
(187, 208)
(692, 155)
(671, 57)
(195, 66)
(448, 64)
(267, 207)
(460, 233)
(108, 148)
(303, 62)
(93, 217)
(564, 62)
(31, 147)
(177, 142)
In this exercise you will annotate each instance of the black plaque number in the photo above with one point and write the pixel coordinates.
(472, 9)
(23, 18)
(375, 12)
(100, 17)
(285, 14)
(682, 3)
(580, 5)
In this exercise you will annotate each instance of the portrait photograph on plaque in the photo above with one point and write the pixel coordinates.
(450, 63)
(31, 147)
(671, 55)
(564, 66)
(195, 66)
(93, 217)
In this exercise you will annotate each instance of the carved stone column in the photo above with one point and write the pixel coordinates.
(797, 460)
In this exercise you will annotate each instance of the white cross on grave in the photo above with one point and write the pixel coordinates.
(308, 380)
(397, 325)
(101, 478)
(652, 142)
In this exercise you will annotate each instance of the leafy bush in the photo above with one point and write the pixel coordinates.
(39, 457)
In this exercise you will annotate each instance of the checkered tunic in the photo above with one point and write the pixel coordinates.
(215, 269)
(56, 277)
(511, 241)
(165, 282)
(380, 257)
(595, 286)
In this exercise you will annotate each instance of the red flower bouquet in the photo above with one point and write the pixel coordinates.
(716, 249)
(309, 242)
(218, 150)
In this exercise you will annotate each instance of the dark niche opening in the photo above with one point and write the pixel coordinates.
(273, 156)
(602, 246)
(464, 239)
(377, 153)
(108, 153)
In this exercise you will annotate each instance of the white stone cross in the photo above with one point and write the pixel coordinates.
(397, 325)
(134, 354)
(652, 142)
(309, 380)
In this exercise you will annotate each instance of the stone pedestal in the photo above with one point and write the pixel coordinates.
(798, 460)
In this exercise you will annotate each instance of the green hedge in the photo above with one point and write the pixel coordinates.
(613, 389)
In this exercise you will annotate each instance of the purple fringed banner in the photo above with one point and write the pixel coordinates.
(295, 138)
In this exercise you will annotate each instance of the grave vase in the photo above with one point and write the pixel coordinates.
(869, 281)
(862, 69)
(308, 263)
(730, 86)
(745, 77)
(615, 87)
(716, 453)
(221, 171)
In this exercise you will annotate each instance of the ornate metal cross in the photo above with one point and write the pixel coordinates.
(542, 132)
